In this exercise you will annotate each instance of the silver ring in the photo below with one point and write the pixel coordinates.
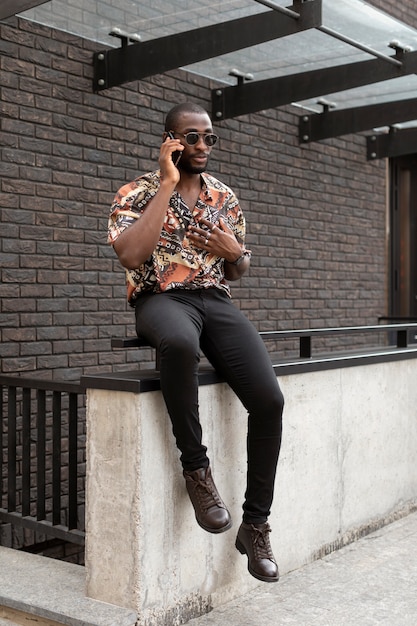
(206, 242)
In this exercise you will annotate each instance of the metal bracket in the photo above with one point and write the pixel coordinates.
(305, 120)
(397, 142)
(125, 37)
(400, 48)
(326, 104)
(346, 121)
(241, 76)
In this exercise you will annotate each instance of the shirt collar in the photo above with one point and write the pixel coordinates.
(205, 185)
(206, 188)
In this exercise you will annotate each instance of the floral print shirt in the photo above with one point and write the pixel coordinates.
(176, 263)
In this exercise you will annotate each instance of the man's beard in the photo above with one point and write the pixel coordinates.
(186, 166)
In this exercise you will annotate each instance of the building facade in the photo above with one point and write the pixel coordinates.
(318, 214)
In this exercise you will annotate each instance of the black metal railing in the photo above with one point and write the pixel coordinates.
(41, 450)
(396, 335)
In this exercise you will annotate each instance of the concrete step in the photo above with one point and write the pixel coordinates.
(39, 591)
(19, 618)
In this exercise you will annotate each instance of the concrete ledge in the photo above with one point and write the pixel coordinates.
(139, 381)
(347, 465)
(51, 591)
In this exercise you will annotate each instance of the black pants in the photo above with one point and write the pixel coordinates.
(178, 323)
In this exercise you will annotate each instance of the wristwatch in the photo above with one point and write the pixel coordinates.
(245, 253)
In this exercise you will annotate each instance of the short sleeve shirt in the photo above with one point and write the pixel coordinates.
(176, 263)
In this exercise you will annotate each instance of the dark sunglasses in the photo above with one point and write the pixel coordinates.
(210, 139)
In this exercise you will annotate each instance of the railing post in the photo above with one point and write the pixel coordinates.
(12, 440)
(40, 453)
(26, 469)
(56, 457)
(402, 338)
(305, 347)
(72, 461)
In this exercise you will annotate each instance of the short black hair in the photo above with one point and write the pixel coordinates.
(179, 109)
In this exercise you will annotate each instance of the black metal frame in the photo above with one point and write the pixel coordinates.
(142, 381)
(335, 123)
(305, 336)
(247, 98)
(23, 515)
(397, 142)
(131, 62)
(400, 334)
(272, 92)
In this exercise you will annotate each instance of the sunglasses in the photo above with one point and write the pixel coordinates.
(210, 139)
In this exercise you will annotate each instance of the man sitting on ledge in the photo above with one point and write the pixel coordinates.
(179, 233)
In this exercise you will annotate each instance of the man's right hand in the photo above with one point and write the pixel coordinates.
(168, 169)
(135, 244)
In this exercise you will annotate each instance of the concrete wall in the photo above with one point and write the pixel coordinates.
(347, 465)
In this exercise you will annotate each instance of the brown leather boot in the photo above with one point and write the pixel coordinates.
(253, 540)
(210, 511)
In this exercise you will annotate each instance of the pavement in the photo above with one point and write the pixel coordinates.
(371, 581)
(39, 591)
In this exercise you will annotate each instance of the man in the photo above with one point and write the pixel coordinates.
(179, 233)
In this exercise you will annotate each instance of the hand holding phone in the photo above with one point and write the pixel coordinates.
(177, 154)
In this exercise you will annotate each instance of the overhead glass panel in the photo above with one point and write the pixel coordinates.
(94, 19)
(305, 51)
(403, 88)
(313, 49)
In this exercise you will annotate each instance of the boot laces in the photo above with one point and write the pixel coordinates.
(207, 494)
(261, 544)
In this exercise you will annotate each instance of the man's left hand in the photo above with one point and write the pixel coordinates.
(216, 239)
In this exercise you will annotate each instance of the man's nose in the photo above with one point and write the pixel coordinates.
(201, 144)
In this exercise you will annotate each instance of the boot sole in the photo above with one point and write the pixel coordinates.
(215, 531)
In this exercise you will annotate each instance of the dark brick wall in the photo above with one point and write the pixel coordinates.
(316, 213)
(404, 11)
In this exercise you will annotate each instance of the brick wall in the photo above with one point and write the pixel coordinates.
(316, 213)
(404, 11)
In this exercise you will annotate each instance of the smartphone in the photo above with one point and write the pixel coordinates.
(175, 155)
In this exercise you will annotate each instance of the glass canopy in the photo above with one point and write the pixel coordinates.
(307, 50)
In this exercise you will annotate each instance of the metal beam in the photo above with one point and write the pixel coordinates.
(346, 121)
(12, 7)
(135, 61)
(246, 98)
(395, 143)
